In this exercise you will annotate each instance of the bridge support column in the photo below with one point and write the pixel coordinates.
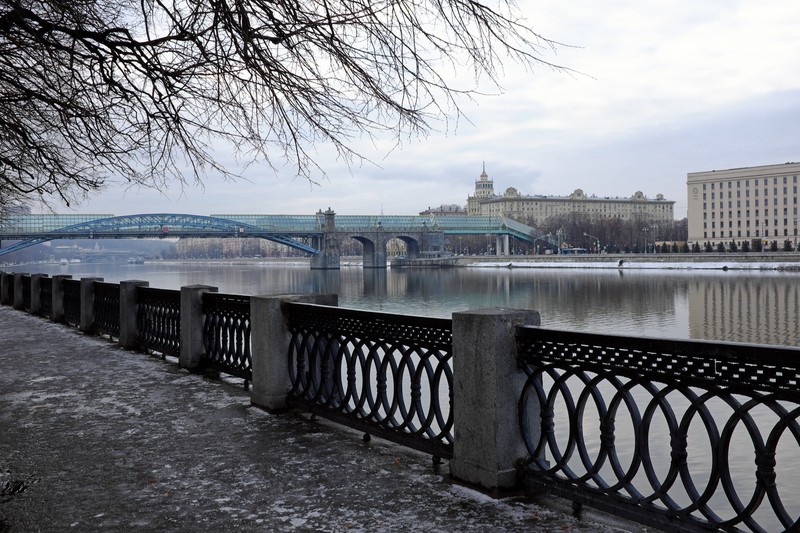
(87, 304)
(57, 313)
(270, 345)
(375, 256)
(328, 256)
(486, 388)
(501, 244)
(377, 259)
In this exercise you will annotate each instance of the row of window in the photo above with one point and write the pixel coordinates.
(755, 182)
(747, 224)
(747, 193)
(747, 234)
(747, 203)
(747, 213)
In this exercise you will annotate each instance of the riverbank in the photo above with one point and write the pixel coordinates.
(769, 261)
(773, 261)
(708, 261)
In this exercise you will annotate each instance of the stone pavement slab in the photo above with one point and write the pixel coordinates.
(96, 438)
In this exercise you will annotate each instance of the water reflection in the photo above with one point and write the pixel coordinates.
(759, 307)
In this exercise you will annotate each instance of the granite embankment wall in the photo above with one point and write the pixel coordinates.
(749, 261)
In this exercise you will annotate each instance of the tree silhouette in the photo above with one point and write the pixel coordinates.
(143, 91)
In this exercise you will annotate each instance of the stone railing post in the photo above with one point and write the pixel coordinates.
(270, 346)
(87, 304)
(128, 306)
(192, 319)
(36, 293)
(487, 440)
(6, 288)
(57, 313)
(19, 296)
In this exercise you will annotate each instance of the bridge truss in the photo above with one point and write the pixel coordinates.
(295, 231)
(31, 230)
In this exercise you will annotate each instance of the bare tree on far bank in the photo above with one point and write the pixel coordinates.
(143, 91)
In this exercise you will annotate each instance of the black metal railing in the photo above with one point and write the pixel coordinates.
(387, 375)
(158, 320)
(106, 308)
(26, 292)
(681, 435)
(46, 296)
(72, 301)
(226, 334)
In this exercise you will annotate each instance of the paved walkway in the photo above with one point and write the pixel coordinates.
(96, 438)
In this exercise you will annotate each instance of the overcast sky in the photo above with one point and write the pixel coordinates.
(668, 87)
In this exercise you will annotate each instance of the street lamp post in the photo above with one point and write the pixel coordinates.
(595, 238)
(645, 230)
(795, 234)
(655, 236)
(536, 248)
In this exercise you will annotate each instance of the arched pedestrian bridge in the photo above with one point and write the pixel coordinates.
(319, 235)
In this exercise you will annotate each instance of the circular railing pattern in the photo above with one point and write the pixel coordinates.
(158, 320)
(106, 308)
(702, 453)
(227, 334)
(388, 374)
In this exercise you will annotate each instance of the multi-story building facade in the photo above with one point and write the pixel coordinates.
(537, 209)
(753, 204)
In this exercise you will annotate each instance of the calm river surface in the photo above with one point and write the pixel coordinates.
(759, 307)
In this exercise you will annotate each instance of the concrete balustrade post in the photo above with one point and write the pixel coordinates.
(128, 306)
(192, 320)
(57, 314)
(36, 293)
(487, 385)
(6, 288)
(270, 346)
(19, 295)
(87, 304)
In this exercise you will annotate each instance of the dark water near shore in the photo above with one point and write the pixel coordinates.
(759, 307)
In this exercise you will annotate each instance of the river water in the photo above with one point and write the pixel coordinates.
(753, 306)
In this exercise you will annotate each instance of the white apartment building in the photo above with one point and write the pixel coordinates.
(743, 204)
(537, 209)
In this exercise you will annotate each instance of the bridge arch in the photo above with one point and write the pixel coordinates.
(158, 225)
(374, 245)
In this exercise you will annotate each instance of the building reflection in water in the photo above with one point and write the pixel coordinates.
(762, 309)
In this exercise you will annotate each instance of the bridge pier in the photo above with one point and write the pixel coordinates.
(375, 251)
(328, 256)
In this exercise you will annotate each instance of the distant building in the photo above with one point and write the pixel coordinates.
(451, 209)
(743, 204)
(537, 209)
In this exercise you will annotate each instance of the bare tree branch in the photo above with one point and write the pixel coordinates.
(135, 90)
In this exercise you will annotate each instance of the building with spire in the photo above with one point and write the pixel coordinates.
(537, 209)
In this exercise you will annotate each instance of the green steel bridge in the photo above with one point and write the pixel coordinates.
(316, 235)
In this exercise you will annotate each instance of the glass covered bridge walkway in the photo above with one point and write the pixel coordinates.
(319, 235)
